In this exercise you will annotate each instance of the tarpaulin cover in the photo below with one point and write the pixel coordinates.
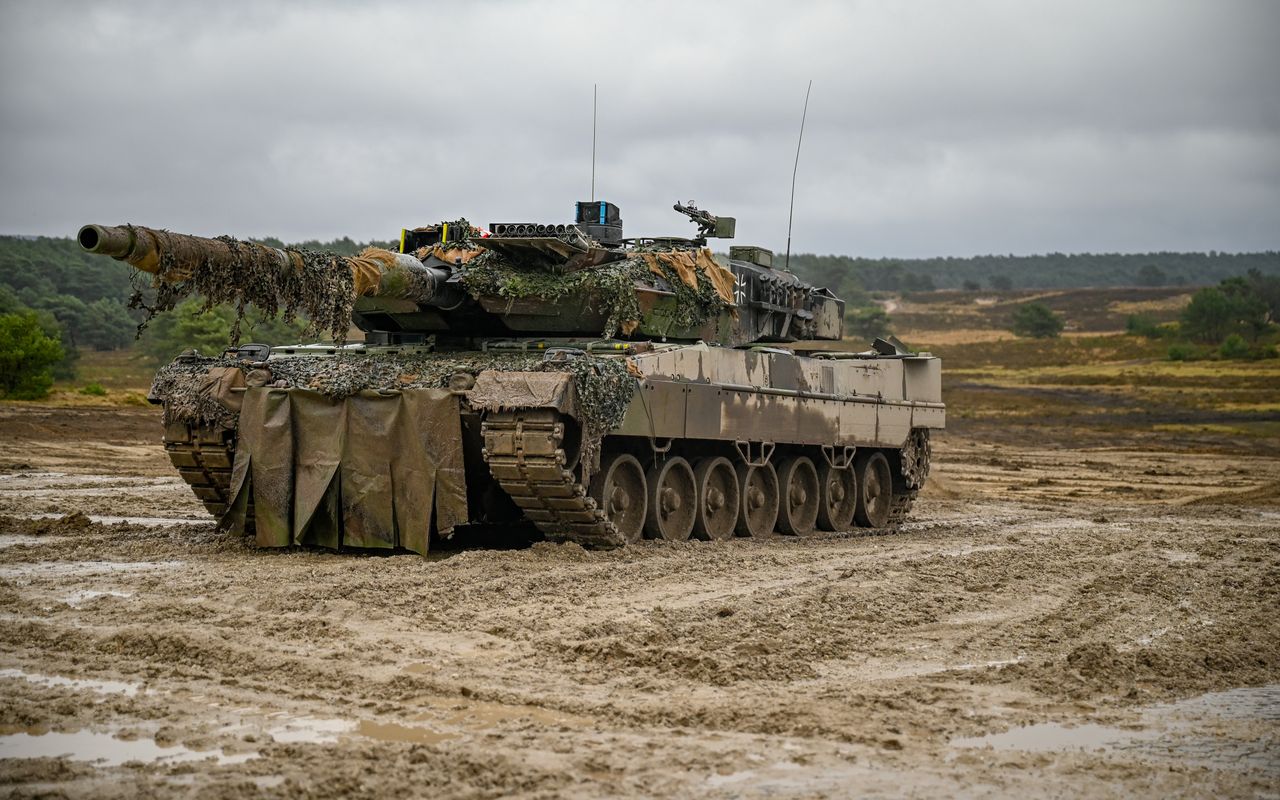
(496, 390)
(687, 264)
(370, 471)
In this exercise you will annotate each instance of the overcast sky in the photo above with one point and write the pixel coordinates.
(934, 128)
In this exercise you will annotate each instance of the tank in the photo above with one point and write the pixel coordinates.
(602, 389)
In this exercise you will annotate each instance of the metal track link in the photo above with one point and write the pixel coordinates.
(203, 457)
(522, 449)
(901, 508)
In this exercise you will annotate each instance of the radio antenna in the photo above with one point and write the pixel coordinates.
(792, 210)
(594, 91)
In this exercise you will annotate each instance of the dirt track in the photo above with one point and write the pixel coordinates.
(1102, 592)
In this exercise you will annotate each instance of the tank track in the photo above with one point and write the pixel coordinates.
(203, 457)
(524, 453)
(901, 508)
(914, 460)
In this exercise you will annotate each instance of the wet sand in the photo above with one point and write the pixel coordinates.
(1054, 621)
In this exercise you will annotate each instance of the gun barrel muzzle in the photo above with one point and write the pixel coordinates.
(106, 240)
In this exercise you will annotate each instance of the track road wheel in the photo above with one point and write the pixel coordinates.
(798, 483)
(717, 507)
(672, 500)
(619, 490)
(875, 489)
(758, 500)
(837, 497)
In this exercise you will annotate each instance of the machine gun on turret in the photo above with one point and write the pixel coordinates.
(709, 225)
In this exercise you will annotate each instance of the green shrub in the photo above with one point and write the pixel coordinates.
(1234, 346)
(866, 322)
(1180, 351)
(1217, 312)
(1143, 325)
(27, 357)
(190, 326)
(1036, 321)
(94, 389)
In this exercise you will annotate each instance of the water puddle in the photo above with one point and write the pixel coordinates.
(1218, 730)
(970, 549)
(67, 479)
(394, 732)
(105, 687)
(42, 475)
(105, 749)
(268, 781)
(53, 569)
(310, 730)
(1050, 737)
(1248, 703)
(447, 719)
(150, 522)
(313, 730)
(91, 489)
(12, 539)
(753, 776)
(792, 779)
(76, 599)
(877, 670)
(1003, 662)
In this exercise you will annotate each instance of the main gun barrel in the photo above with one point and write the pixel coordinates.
(174, 257)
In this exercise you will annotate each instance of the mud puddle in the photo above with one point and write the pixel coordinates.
(59, 569)
(1218, 730)
(1054, 737)
(444, 720)
(789, 779)
(79, 598)
(148, 522)
(43, 476)
(27, 539)
(104, 687)
(310, 730)
(106, 749)
(52, 481)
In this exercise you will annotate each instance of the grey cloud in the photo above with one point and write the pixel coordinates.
(935, 128)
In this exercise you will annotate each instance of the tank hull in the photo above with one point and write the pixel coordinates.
(728, 433)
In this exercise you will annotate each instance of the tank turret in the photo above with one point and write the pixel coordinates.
(579, 279)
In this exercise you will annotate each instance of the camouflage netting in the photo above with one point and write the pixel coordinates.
(320, 286)
(461, 244)
(612, 285)
(605, 387)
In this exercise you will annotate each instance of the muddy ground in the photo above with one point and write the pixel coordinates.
(1057, 620)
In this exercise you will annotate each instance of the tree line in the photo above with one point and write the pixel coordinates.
(1048, 271)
